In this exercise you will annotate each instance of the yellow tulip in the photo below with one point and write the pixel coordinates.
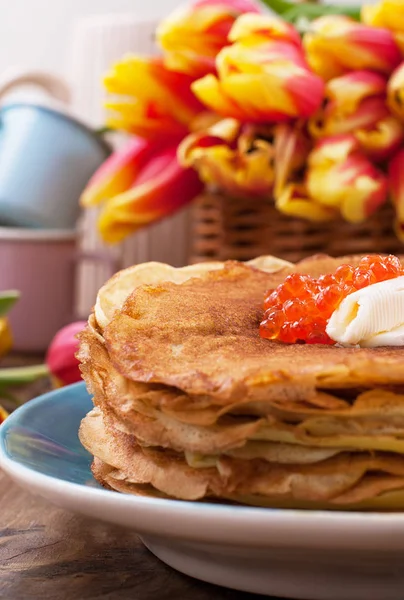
(388, 14)
(232, 157)
(294, 201)
(263, 77)
(336, 44)
(156, 102)
(340, 176)
(245, 159)
(339, 181)
(356, 103)
(192, 36)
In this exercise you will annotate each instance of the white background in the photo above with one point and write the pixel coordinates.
(37, 33)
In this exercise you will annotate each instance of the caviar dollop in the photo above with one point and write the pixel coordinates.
(298, 310)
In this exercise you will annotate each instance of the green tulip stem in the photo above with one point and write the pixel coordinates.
(21, 375)
(7, 301)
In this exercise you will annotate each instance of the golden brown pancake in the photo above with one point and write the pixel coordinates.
(372, 421)
(343, 479)
(202, 336)
(191, 403)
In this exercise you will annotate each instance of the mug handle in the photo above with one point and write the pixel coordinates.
(55, 86)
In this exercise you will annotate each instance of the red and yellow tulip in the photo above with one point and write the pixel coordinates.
(244, 159)
(340, 180)
(157, 102)
(396, 179)
(232, 157)
(388, 14)
(262, 77)
(194, 34)
(139, 185)
(356, 103)
(336, 44)
(395, 92)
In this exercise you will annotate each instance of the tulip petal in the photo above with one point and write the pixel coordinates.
(395, 92)
(337, 44)
(256, 28)
(209, 91)
(349, 90)
(396, 182)
(158, 102)
(234, 158)
(292, 147)
(383, 140)
(118, 172)
(356, 104)
(263, 77)
(335, 119)
(192, 36)
(162, 188)
(340, 176)
(294, 201)
(388, 14)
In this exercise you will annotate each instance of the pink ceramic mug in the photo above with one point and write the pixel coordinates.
(41, 264)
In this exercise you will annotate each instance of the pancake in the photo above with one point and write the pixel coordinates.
(202, 336)
(115, 291)
(372, 421)
(191, 403)
(339, 480)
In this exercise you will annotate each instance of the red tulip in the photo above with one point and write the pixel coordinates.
(61, 355)
(139, 185)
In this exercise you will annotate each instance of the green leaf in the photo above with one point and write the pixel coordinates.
(292, 11)
(7, 301)
(20, 375)
(279, 6)
(313, 11)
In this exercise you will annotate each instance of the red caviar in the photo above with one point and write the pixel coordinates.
(299, 309)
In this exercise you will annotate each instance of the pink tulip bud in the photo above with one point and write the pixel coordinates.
(60, 358)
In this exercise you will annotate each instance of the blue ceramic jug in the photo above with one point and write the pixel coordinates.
(46, 157)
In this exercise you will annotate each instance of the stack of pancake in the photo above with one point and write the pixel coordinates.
(191, 403)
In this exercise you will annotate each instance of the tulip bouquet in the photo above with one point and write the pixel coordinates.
(302, 106)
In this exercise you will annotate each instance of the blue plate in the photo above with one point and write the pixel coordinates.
(42, 435)
(289, 553)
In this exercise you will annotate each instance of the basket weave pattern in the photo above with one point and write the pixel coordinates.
(241, 229)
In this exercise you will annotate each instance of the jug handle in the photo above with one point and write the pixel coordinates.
(55, 86)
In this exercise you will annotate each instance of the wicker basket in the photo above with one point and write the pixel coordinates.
(227, 228)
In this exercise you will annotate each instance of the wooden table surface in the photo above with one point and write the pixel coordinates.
(47, 553)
